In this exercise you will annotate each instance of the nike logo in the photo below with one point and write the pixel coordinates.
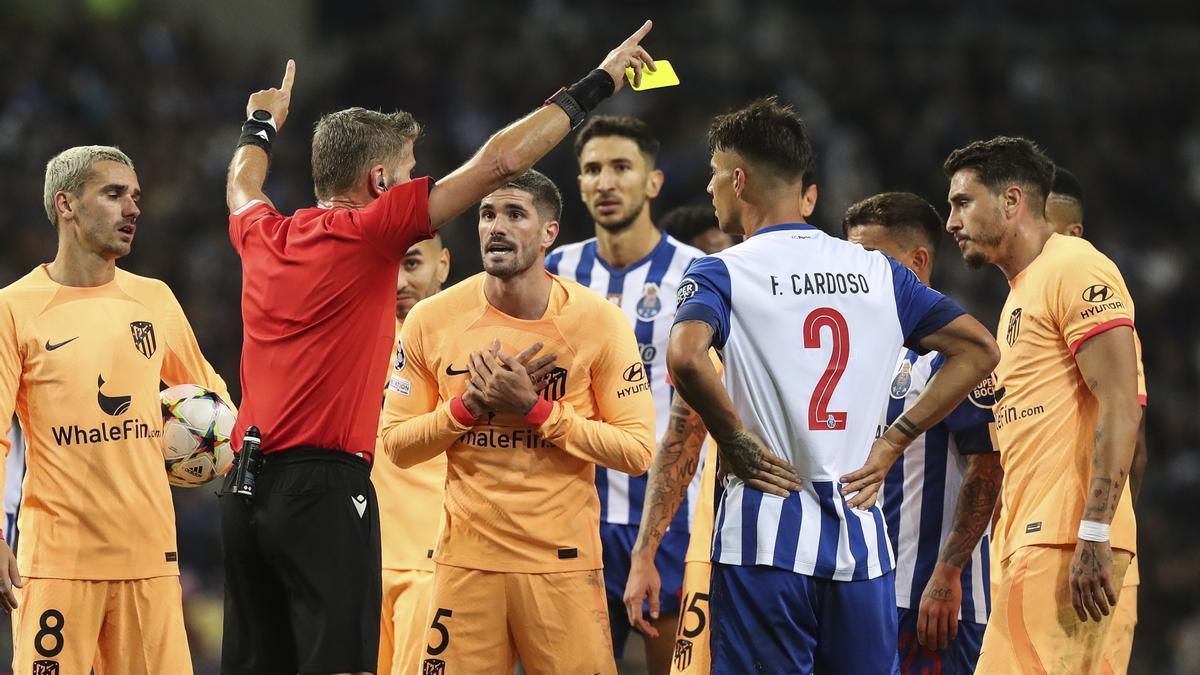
(52, 347)
(452, 372)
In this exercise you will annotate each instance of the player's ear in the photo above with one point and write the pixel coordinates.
(63, 205)
(549, 234)
(921, 259)
(1075, 230)
(808, 201)
(654, 183)
(377, 181)
(443, 266)
(1012, 197)
(739, 181)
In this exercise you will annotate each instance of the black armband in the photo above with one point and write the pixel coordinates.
(258, 130)
(582, 97)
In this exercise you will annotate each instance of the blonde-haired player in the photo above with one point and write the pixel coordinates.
(83, 347)
(410, 500)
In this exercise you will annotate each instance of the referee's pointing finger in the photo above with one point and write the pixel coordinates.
(289, 76)
(638, 34)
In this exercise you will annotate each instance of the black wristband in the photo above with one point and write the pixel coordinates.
(257, 133)
(592, 90)
(575, 112)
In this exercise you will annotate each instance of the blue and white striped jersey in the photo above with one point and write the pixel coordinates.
(13, 479)
(645, 291)
(921, 490)
(808, 326)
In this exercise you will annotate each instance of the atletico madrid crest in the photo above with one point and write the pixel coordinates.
(143, 337)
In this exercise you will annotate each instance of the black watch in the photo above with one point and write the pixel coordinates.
(264, 116)
(569, 105)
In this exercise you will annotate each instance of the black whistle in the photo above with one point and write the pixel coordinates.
(249, 462)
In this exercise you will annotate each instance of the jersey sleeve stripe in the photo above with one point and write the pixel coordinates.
(587, 260)
(1106, 326)
(941, 313)
(552, 262)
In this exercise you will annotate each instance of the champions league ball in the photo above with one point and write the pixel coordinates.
(195, 438)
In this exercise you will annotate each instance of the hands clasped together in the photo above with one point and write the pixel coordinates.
(500, 383)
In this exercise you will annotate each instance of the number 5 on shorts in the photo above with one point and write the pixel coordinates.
(440, 628)
(701, 616)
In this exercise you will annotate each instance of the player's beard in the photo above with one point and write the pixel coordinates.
(987, 239)
(626, 218)
(106, 242)
(521, 259)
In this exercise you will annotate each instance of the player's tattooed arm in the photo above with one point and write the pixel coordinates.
(937, 622)
(973, 511)
(696, 380)
(674, 465)
(971, 353)
(1108, 364)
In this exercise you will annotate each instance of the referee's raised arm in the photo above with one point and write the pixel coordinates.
(318, 317)
(248, 170)
(513, 150)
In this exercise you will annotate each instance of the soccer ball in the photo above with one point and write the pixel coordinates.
(195, 439)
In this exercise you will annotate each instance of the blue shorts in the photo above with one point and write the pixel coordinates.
(957, 659)
(772, 620)
(617, 542)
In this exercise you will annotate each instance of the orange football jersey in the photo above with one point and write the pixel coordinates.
(520, 498)
(1045, 414)
(82, 367)
(410, 500)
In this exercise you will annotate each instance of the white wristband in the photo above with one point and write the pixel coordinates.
(1090, 530)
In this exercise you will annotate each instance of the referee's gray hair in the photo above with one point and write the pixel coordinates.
(70, 169)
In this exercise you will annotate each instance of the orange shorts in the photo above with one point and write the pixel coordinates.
(132, 627)
(1034, 629)
(1119, 643)
(480, 622)
(693, 654)
(406, 596)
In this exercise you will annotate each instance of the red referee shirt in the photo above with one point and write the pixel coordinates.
(318, 307)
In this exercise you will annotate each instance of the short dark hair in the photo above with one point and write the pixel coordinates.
(685, 223)
(1003, 161)
(770, 134)
(900, 211)
(546, 197)
(347, 142)
(1066, 184)
(625, 127)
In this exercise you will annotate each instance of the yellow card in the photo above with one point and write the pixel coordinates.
(663, 77)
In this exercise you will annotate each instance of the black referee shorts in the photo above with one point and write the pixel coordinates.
(302, 567)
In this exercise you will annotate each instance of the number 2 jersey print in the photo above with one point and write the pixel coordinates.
(809, 327)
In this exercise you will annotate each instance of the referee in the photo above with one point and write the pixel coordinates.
(302, 556)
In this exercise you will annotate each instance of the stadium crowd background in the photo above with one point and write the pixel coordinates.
(1108, 88)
